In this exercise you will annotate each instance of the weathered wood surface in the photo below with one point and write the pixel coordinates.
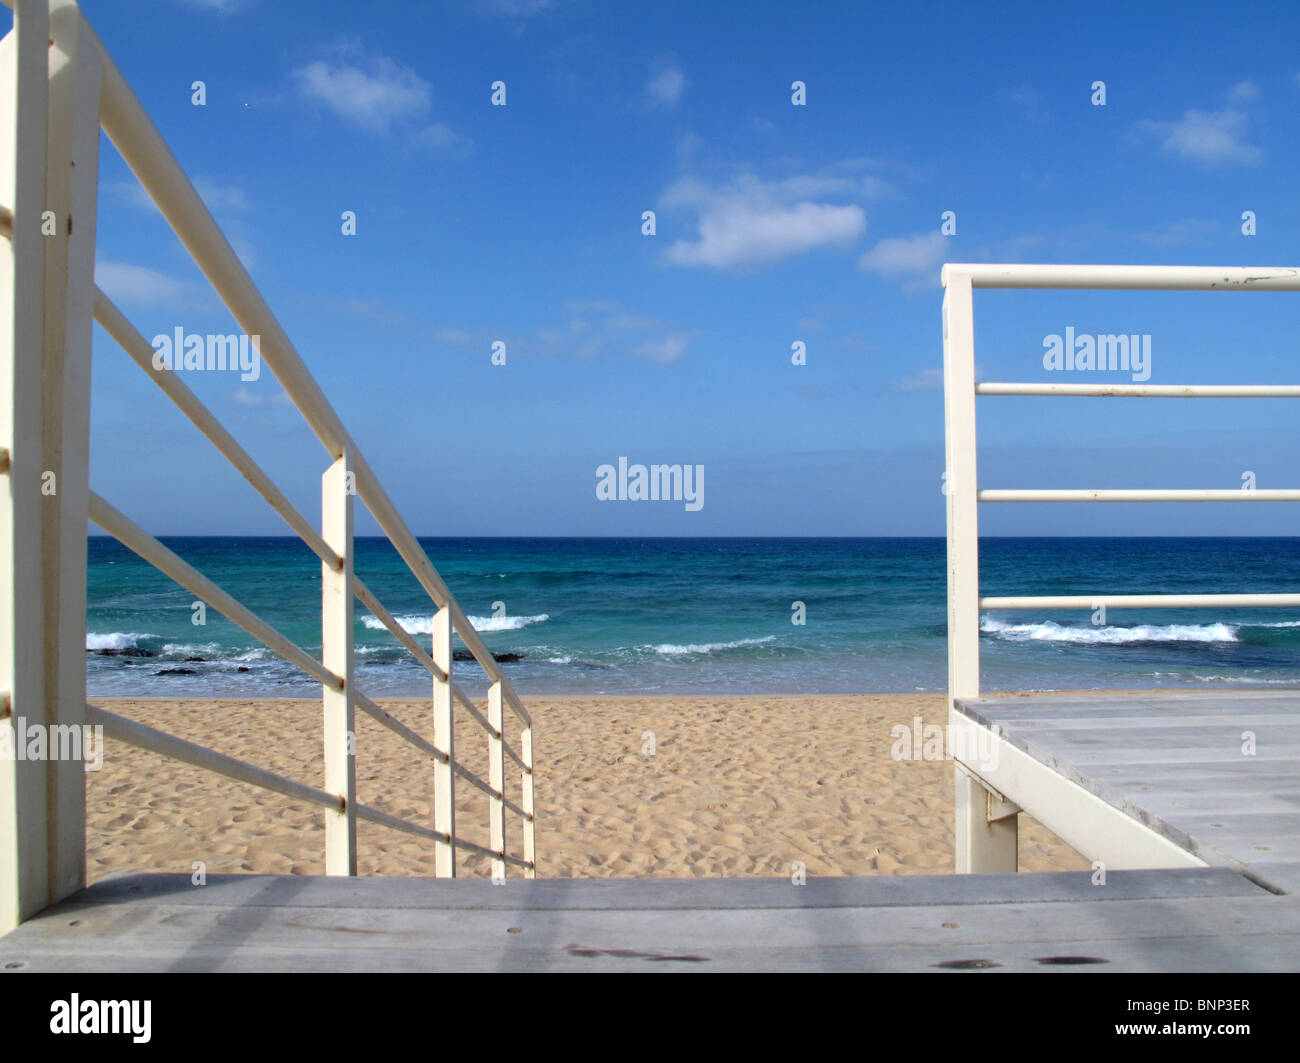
(1178, 763)
(1197, 919)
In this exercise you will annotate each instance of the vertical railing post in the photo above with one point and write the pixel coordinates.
(71, 198)
(338, 654)
(530, 812)
(25, 886)
(444, 775)
(981, 845)
(497, 779)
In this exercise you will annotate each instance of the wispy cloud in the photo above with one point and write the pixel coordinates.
(375, 94)
(596, 327)
(1210, 137)
(133, 285)
(751, 222)
(221, 7)
(513, 8)
(927, 380)
(667, 87)
(908, 257)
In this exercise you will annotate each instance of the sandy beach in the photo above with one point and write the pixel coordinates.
(640, 786)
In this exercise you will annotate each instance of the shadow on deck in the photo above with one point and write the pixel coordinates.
(1201, 919)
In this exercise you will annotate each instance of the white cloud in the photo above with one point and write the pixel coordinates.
(907, 256)
(597, 326)
(1243, 92)
(372, 99)
(221, 7)
(375, 94)
(140, 286)
(926, 380)
(751, 222)
(666, 87)
(514, 8)
(219, 197)
(666, 350)
(1210, 137)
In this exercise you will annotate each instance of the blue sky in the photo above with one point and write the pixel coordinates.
(775, 223)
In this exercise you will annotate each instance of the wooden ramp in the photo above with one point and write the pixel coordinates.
(1206, 919)
(1215, 774)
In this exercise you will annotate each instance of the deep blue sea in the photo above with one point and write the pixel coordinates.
(670, 616)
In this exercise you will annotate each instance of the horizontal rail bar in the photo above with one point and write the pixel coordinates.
(1150, 278)
(141, 352)
(168, 745)
(139, 541)
(1143, 495)
(397, 727)
(1139, 391)
(371, 602)
(1144, 601)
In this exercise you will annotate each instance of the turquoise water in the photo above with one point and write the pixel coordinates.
(665, 616)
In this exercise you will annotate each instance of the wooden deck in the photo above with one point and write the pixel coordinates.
(1186, 919)
(1171, 764)
(1175, 763)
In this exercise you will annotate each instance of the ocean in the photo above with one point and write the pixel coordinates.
(701, 616)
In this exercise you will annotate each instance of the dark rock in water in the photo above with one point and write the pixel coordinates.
(129, 651)
(198, 659)
(177, 671)
(243, 668)
(465, 655)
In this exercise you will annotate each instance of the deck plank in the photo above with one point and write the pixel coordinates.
(1175, 762)
(1207, 919)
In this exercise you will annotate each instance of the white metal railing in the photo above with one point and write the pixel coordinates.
(58, 87)
(962, 482)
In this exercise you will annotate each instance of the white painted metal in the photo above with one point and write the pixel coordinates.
(146, 153)
(338, 642)
(71, 193)
(978, 845)
(960, 484)
(496, 780)
(530, 809)
(982, 841)
(139, 541)
(1080, 818)
(1143, 601)
(1149, 278)
(444, 778)
(1143, 495)
(1154, 391)
(167, 745)
(26, 823)
(49, 159)
(982, 846)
